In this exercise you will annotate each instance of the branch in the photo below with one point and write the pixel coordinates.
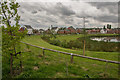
(5, 16)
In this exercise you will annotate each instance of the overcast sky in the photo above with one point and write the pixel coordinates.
(64, 14)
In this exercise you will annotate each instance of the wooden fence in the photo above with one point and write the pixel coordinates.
(98, 59)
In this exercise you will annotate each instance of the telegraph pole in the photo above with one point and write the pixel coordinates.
(84, 36)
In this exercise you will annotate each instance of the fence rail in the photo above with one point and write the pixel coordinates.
(98, 59)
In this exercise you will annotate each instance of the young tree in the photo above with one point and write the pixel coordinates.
(11, 35)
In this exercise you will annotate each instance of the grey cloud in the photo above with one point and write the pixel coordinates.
(47, 14)
(113, 19)
(111, 6)
(64, 10)
(34, 11)
(58, 9)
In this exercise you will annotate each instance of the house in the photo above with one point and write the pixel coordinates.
(54, 30)
(78, 30)
(67, 31)
(93, 31)
(110, 31)
(21, 29)
(103, 31)
(117, 31)
(41, 30)
(72, 30)
(61, 32)
(29, 28)
(48, 31)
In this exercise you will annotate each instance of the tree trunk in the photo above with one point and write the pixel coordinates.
(20, 63)
(11, 64)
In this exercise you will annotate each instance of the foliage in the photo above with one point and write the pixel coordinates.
(11, 35)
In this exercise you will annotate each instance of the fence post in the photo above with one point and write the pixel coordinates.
(71, 57)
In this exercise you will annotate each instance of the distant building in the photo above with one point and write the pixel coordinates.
(21, 29)
(78, 30)
(48, 31)
(67, 31)
(110, 31)
(29, 28)
(54, 30)
(93, 31)
(41, 31)
(103, 31)
(72, 30)
(61, 32)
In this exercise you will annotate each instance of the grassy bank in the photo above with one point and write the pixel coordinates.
(36, 40)
(55, 65)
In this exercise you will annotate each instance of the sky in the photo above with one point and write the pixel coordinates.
(41, 15)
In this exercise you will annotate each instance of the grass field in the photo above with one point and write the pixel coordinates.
(74, 36)
(56, 65)
(36, 40)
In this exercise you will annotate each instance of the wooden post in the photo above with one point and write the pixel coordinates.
(71, 58)
(84, 36)
(84, 48)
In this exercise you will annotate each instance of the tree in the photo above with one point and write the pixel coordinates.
(104, 27)
(11, 35)
(108, 26)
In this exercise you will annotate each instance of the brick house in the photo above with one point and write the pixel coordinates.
(93, 31)
(67, 31)
(78, 30)
(72, 30)
(61, 32)
(117, 31)
(28, 27)
(21, 29)
(110, 31)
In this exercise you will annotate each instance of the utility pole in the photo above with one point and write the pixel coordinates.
(84, 36)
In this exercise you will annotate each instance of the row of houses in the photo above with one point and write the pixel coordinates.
(69, 30)
(72, 30)
(103, 31)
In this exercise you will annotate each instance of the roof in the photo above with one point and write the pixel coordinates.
(71, 27)
(41, 30)
(79, 28)
(28, 26)
(54, 28)
(60, 30)
(67, 30)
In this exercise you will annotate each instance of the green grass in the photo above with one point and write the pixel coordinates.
(36, 40)
(75, 36)
(55, 65)
(68, 37)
